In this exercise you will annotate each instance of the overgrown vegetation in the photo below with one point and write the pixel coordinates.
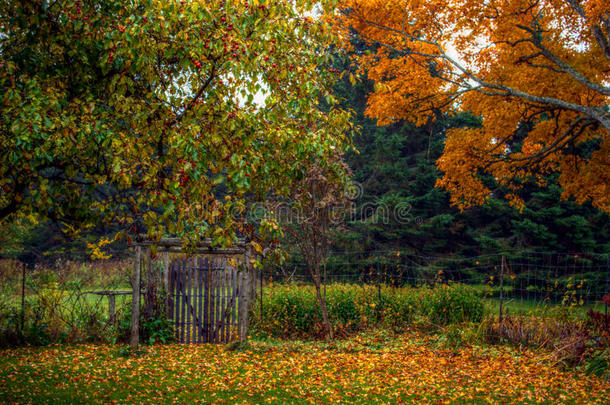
(59, 307)
(459, 315)
(291, 311)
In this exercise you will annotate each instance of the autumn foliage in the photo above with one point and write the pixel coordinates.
(143, 114)
(365, 369)
(535, 71)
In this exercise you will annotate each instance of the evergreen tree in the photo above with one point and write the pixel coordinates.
(395, 167)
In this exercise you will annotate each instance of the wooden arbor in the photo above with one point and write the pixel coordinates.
(207, 294)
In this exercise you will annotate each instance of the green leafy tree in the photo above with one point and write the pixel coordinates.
(161, 116)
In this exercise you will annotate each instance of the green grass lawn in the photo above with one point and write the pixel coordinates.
(517, 306)
(368, 368)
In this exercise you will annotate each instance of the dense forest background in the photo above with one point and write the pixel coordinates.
(395, 166)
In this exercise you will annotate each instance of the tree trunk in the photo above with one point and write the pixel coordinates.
(322, 302)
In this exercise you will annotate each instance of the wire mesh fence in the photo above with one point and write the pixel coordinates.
(51, 294)
(523, 280)
(530, 278)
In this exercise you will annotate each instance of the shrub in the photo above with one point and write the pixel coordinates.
(449, 304)
(399, 309)
(599, 364)
(287, 311)
(159, 329)
(292, 311)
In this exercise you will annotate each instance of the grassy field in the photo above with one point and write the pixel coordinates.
(532, 307)
(368, 368)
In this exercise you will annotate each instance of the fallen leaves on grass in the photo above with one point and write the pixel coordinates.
(366, 369)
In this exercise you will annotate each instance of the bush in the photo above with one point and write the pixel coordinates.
(449, 304)
(599, 364)
(399, 309)
(292, 311)
(157, 330)
(288, 311)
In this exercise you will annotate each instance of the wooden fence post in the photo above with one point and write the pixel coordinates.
(112, 309)
(251, 275)
(607, 288)
(166, 282)
(245, 296)
(22, 323)
(166, 271)
(241, 304)
(502, 285)
(149, 294)
(135, 300)
(244, 299)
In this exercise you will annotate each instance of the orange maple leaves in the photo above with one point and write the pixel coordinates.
(535, 72)
(362, 369)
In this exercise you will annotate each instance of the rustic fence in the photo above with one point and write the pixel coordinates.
(529, 280)
(208, 292)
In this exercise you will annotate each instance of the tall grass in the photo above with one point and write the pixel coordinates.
(57, 307)
(292, 311)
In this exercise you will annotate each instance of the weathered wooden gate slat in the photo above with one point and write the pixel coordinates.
(195, 301)
(228, 307)
(178, 300)
(218, 301)
(182, 306)
(223, 303)
(212, 302)
(187, 285)
(227, 316)
(207, 299)
(199, 299)
(172, 301)
(170, 291)
(232, 318)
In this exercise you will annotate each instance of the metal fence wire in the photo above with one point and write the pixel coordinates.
(537, 278)
(553, 278)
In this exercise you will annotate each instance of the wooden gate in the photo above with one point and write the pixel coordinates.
(205, 295)
(207, 299)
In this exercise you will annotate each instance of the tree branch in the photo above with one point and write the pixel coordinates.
(597, 113)
(602, 40)
(562, 65)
